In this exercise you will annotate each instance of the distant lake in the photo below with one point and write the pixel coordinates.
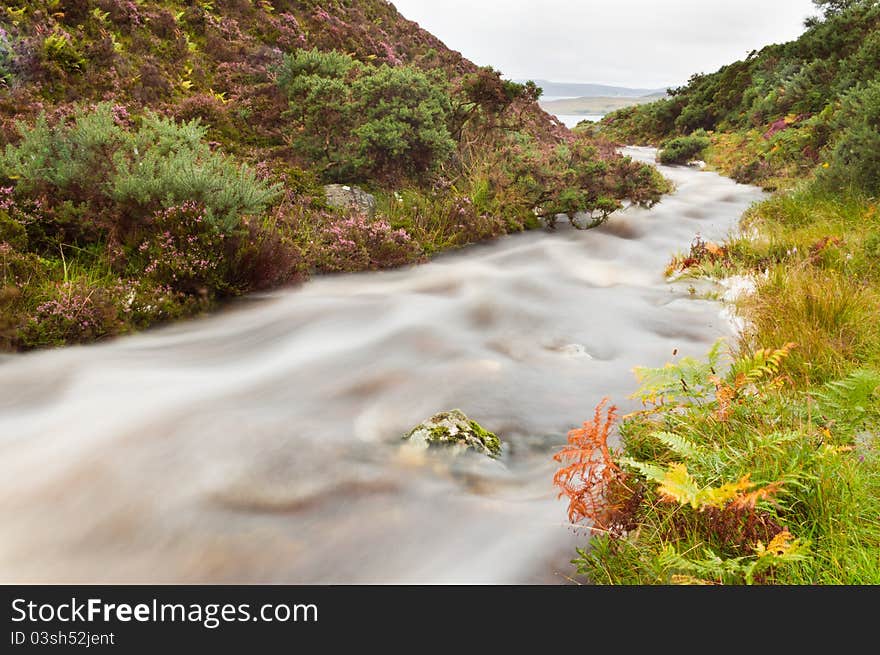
(571, 120)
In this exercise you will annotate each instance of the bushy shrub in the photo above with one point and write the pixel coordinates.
(855, 160)
(486, 90)
(186, 251)
(166, 163)
(360, 120)
(96, 158)
(265, 255)
(12, 232)
(569, 178)
(59, 50)
(682, 150)
(356, 243)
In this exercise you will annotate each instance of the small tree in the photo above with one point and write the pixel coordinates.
(359, 120)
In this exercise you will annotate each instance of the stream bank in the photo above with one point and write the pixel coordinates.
(261, 445)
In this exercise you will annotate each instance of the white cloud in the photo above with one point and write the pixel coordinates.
(645, 43)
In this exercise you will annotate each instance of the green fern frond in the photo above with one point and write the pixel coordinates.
(761, 365)
(650, 471)
(853, 400)
(679, 445)
(689, 378)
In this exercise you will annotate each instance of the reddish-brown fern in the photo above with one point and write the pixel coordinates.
(588, 473)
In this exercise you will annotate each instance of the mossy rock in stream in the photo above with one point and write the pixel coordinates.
(456, 431)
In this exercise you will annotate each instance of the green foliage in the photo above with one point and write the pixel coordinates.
(856, 157)
(165, 163)
(404, 126)
(361, 120)
(59, 48)
(683, 149)
(852, 403)
(739, 486)
(95, 159)
(689, 378)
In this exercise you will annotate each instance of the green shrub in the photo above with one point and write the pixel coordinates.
(166, 163)
(684, 149)
(59, 49)
(855, 160)
(186, 251)
(12, 232)
(359, 120)
(160, 164)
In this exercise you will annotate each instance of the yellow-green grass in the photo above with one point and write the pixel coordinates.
(813, 253)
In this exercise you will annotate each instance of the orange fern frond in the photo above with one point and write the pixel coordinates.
(750, 500)
(588, 469)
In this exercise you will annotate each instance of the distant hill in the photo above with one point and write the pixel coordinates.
(579, 90)
(598, 106)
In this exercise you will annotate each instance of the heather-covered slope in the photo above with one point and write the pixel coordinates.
(161, 156)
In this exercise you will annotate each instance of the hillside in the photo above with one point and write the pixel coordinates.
(163, 156)
(787, 108)
(761, 465)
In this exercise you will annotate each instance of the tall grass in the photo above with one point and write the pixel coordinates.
(797, 435)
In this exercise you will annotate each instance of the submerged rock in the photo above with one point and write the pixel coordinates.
(456, 431)
(344, 196)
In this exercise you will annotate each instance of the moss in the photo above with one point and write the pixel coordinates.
(454, 429)
(489, 439)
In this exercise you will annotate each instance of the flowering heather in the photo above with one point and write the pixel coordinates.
(121, 116)
(6, 199)
(322, 15)
(290, 34)
(390, 53)
(186, 251)
(357, 243)
(76, 313)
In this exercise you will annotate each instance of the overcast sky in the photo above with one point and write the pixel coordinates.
(639, 43)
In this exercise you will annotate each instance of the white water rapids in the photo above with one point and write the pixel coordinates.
(262, 444)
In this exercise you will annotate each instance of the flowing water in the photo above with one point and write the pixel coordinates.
(262, 444)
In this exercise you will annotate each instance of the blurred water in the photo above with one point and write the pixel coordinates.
(262, 444)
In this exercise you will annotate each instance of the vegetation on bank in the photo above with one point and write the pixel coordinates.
(684, 149)
(786, 109)
(159, 157)
(761, 464)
